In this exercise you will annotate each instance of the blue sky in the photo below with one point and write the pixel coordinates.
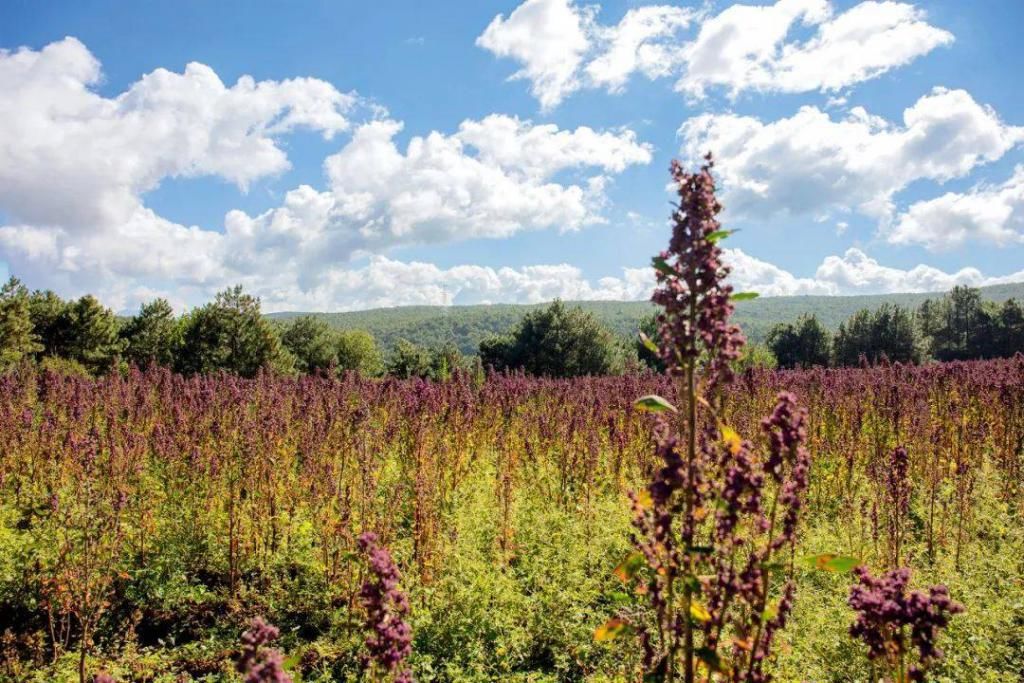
(124, 183)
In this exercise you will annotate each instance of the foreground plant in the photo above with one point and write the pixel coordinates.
(390, 638)
(259, 663)
(717, 522)
(900, 628)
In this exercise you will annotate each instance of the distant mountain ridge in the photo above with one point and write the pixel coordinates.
(466, 326)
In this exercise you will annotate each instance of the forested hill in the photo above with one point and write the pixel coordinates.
(467, 325)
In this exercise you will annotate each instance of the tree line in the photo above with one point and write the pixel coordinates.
(230, 334)
(958, 326)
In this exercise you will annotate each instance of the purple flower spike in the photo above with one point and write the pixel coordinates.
(390, 639)
(887, 615)
(258, 663)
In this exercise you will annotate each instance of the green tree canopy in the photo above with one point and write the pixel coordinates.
(47, 310)
(311, 342)
(556, 341)
(88, 334)
(445, 360)
(961, 326)
(409, 360)
(230, 334)
(357, 350)
(888, 332)
(150, 337)
(18, 339)
(803, 345)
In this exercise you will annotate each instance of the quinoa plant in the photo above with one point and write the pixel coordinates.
(718, 521)
(389, 640)
(899, 628)
(257, 662)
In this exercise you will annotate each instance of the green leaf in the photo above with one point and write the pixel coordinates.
(719, 235)
(744, 296)
(662, 266)
(654, 404)
(830, 562)
(628, 568)
(620, 598)
(648, 344)
(693, 583)
(611, 629)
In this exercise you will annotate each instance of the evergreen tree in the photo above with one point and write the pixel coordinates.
(1009, 338)
(310, 341)
(961, 326)
(17, 336)
(88, 334)
(47, 312)
(803, 345)
(888, 332)
(150, 337)
(231, 334)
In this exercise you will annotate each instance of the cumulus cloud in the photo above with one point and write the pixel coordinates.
(747, 47)
(563, 48)
(641, 41)
(99, 156)
(493, 178)
(854, 272)
(60, 139)
(985, 214)
(549, 38)
(383, 282)
(813, 164)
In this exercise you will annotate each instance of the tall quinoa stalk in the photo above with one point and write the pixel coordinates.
(716, 522)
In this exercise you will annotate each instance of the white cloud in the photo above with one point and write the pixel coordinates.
(549, 38)
(641, 41)
(542, 150)
(60, 139)
(383, 282)
(750, 274)
(812, 164)
(854, 272)
(491, 178)
(745, 47)
(985, 214)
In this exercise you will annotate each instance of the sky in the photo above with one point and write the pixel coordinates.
(334, 156)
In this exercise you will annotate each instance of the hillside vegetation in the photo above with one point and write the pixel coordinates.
(467, 326)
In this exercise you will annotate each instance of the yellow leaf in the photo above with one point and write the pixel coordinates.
(628, 568)
(731, 439)
(699, 612)
(644, 500)
(610, 630)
